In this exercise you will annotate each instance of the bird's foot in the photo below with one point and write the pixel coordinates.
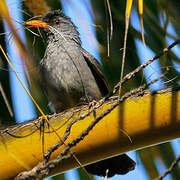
(92, 104)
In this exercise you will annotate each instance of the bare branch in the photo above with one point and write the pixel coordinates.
(133, 73)
(169, 170)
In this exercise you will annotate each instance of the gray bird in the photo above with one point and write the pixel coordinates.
(72, 76)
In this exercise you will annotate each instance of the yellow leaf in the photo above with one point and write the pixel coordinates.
(141, 19)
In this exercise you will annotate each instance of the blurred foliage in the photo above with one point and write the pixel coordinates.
(5, 118)
(157, 16)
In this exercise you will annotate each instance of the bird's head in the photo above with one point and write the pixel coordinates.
(56, 26)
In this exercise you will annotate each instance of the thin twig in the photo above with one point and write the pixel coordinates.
(169, 170)
(6, 100)
(110, 18)
(68, 129)
(41, 170)
(138, 92)
(133, 73)
(109, 32)
(44, 168)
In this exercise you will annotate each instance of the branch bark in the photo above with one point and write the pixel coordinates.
(136, 123)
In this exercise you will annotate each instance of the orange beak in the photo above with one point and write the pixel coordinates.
(37, 23)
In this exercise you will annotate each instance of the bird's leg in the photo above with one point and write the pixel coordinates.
(92, 104)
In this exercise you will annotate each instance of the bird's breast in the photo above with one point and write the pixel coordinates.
(68, 78)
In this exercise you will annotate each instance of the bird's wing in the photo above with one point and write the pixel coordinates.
(96, 71)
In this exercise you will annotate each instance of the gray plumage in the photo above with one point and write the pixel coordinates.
(68, 79)
(72, 76)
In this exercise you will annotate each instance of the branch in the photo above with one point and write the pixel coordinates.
(157, 115)
(173, 165)
(139, 68)
(40, 169)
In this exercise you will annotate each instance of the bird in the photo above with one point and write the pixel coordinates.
(71, 76)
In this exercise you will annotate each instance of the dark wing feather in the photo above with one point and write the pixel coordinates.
(96, 71)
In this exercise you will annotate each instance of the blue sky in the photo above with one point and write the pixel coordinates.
(84, 22)
(19, 98)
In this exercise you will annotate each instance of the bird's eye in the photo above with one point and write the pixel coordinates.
(57, 21)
